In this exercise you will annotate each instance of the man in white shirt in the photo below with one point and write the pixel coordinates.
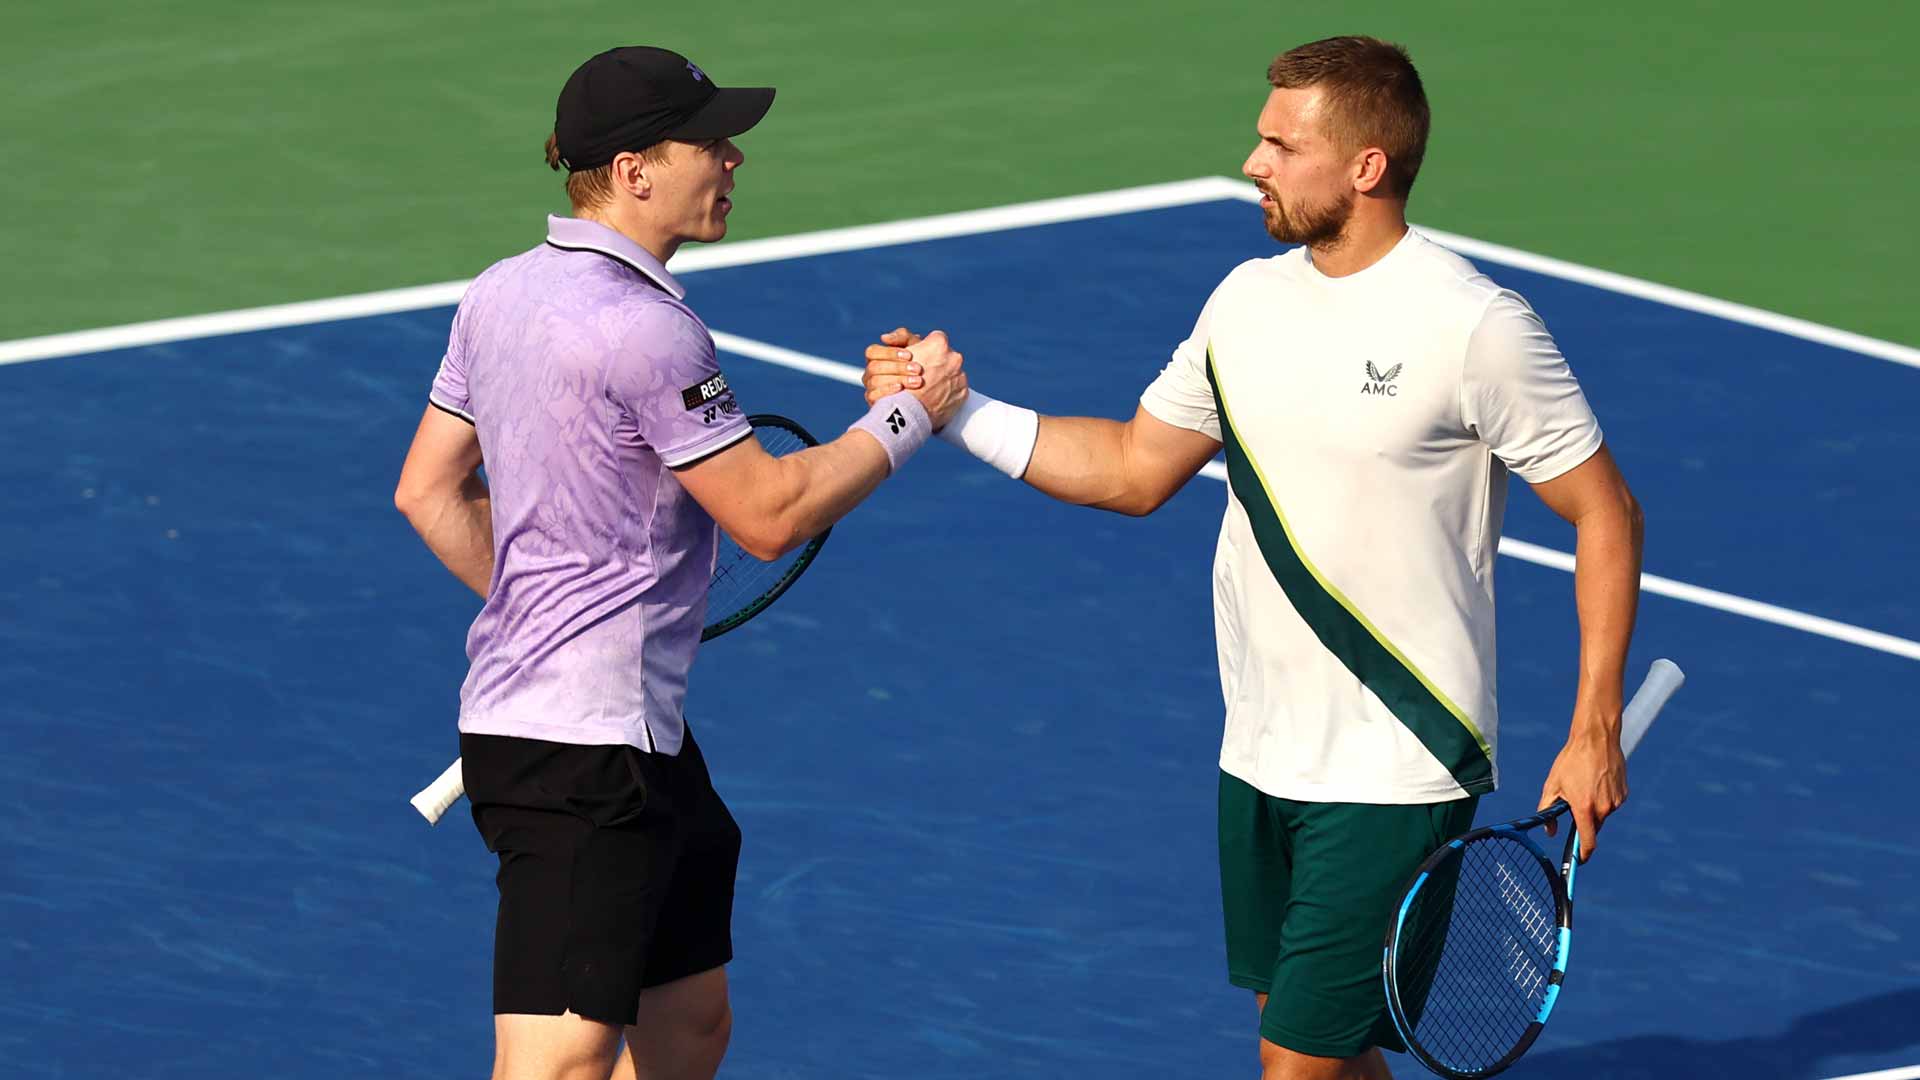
(1372, 391)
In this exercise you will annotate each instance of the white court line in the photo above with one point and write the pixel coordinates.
(787, 358)
(939, 226)
(1909, 1072)
(748, 252)
(189, 327)
(1513, 549)
(1648, 290)
(1044, 212)
(964, 223)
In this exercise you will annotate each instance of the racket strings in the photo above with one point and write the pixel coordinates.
(1458, 1023)
(739, 579)
(1476, 953)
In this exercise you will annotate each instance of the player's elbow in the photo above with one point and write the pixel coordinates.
(409, 499)
(767, 539)
(1138, 500)
(763, 549)
(1623, 512)
(1142, 475)
(420, 502)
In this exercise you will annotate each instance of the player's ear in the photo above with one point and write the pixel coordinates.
(629, 174)
(1369, 169)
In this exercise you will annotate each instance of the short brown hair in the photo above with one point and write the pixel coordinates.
(589, 188)
(1374, 98)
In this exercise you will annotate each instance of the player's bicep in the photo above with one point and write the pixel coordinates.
(1593, 486)
(444, 454)
(1162, 457)
(734, 485)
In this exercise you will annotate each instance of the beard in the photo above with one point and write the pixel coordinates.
(1322, 226)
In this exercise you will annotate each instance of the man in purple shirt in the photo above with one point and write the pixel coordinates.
(590, 390)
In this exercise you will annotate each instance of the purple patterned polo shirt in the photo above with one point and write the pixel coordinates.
(587, 379)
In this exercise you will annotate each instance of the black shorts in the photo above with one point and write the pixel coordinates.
(616, 871)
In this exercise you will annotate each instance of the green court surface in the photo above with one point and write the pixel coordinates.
(176, 159)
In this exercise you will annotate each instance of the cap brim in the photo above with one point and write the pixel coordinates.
(733, 110)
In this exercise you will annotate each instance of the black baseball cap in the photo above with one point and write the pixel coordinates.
(634, 96)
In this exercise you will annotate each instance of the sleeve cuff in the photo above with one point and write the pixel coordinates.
(706, 447)
(446, 408)
(1561, 464)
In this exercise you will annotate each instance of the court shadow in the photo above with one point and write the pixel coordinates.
(1875, 1025)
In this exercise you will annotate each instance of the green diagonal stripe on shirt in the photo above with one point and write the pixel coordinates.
(1440, 725)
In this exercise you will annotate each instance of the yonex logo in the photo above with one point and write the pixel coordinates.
(895, 421)
(1379, 382)
(698, 75)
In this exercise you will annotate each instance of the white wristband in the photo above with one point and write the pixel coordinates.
(997, 433)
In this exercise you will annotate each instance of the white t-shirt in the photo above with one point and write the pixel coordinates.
(1369, 423)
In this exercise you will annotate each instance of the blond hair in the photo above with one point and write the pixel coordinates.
(592, 188)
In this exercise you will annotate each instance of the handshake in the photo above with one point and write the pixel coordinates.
(928, 367)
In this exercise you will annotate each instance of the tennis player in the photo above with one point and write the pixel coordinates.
(578, 374)
(1372, 391)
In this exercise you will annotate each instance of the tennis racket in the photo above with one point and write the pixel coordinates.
(742, 587)
(1477, 948)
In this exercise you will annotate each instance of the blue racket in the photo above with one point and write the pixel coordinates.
(1477, 948)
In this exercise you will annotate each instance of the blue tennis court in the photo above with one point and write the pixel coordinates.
(973, 752)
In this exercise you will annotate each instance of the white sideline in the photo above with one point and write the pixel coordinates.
(1906, 1072)
(1515, 549)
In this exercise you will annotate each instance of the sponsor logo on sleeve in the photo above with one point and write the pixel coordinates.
(699, 395)
(712, 413)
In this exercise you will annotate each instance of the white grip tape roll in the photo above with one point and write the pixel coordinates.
(1662, 681)
(442, 793)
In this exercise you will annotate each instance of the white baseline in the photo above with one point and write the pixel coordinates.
(939, 226)
(1025, 215)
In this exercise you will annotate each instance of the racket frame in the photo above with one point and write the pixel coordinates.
(807, 551)
(1664, 679)
(1562, 878)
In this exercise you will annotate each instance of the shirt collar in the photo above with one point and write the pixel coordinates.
(579, 234)
(1406, 243)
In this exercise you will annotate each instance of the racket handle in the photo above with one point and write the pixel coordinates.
(1664, 678)
(434, 799)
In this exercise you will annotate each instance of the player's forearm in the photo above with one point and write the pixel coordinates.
(1606, 582)
(819, 486)
(457, 527)
(1083, 460)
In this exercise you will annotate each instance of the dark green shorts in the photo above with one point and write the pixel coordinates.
(1307, 889)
